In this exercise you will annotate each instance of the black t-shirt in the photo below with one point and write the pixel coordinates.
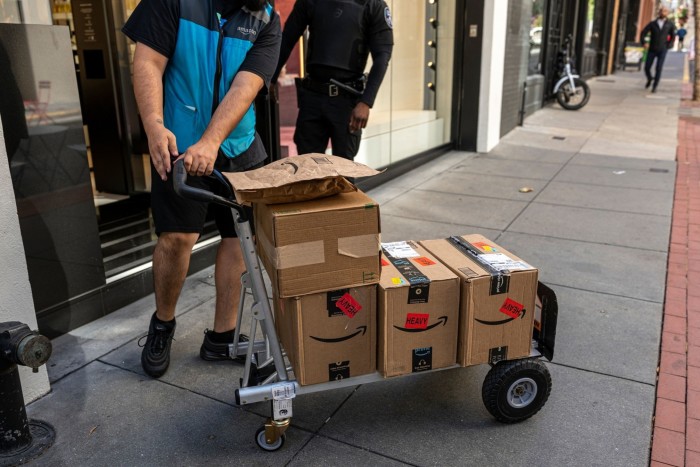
(341, 35)
(155, 24)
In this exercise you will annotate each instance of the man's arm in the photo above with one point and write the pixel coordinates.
(200, 157)
(149, 67)
(294, 27)
(644, 32)
(380, 44)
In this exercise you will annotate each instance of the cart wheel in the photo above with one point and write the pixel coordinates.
(262, 442)
(516, 390)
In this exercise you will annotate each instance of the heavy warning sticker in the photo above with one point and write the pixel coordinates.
(348, 305)
(424, 261)
(511, 308)
(417, 320)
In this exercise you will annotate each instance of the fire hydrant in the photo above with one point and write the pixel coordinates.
(20, 439)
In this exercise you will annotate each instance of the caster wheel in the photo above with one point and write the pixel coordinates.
(262, 442)
(516, 390)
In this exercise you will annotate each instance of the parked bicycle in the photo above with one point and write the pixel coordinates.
(571, 91)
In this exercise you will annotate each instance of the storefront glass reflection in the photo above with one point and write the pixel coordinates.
(536, 37)
(412, 111)
(46, 148)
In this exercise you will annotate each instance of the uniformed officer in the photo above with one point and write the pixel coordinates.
(335, 96)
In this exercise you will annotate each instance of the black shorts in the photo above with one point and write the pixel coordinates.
(173, 213)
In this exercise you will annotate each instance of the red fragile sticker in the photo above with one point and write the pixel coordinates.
(417, 320)
(348, 305)
(423, 261)
(384, 262)
(511, 308)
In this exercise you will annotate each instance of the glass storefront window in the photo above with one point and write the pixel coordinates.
(590, 13)
(536, 37)
(412, 111)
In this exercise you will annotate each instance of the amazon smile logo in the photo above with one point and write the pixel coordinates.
(331, 340)
(502, 321)
(418, 323)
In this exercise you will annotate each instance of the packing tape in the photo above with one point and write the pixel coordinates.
(292, 256)
(359, 246)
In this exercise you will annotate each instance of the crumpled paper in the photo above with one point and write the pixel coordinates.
(297, 178)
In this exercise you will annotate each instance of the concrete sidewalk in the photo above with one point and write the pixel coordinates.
(597, 225)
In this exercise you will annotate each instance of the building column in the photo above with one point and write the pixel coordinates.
(16, 303)
(491, 78)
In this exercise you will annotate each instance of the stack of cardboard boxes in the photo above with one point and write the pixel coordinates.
(323, 260)
(346, 305)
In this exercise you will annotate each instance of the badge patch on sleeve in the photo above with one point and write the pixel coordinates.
(387, 17)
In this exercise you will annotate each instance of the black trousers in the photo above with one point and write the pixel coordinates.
(660, 56)
(322, 118)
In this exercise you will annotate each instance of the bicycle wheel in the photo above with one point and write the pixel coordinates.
(573, 98)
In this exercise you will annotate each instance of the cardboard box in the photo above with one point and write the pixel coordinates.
(329, 336)
(418, 311)
(319, 245)
(497, 298)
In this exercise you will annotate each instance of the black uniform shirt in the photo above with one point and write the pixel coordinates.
(342, 34)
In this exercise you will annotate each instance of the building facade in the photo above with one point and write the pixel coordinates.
(463, 74)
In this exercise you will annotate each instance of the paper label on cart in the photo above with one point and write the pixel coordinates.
(422, 359)
(283, 391)
(332, 298)
(348, 305)
(281, 409)
(338, 370)
(501, 262)
(511, 308)
(424, 261)
(400, 250)
(498, 354)
(485, 246)
(397, 281)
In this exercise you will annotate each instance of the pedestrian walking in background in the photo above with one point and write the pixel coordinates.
(342, 34)
(205, 115)
(662, 36)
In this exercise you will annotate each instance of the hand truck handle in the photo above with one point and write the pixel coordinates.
(198, 194)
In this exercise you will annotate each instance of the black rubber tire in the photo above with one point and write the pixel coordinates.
(499, 381)
(562, 98)
(262, 442)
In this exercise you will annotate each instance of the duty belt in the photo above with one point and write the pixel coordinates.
(334, 88)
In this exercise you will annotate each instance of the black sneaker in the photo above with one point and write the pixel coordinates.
(215, 351)
(649, 80)
(155, 357)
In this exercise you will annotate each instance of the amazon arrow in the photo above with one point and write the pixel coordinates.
(503, 321)
(442, 319)
(360, 329)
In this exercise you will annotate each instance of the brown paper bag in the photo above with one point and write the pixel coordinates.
(298, 178)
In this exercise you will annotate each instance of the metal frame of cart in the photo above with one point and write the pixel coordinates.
(512, 391)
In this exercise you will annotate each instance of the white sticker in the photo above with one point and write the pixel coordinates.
(282, 409)
(283, 391)
(400, 250)
(501, 262)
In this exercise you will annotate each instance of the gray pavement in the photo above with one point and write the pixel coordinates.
(596, 224)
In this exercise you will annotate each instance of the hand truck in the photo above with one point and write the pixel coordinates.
(513, 390)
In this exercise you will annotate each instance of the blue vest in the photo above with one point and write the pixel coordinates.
(194, 69)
